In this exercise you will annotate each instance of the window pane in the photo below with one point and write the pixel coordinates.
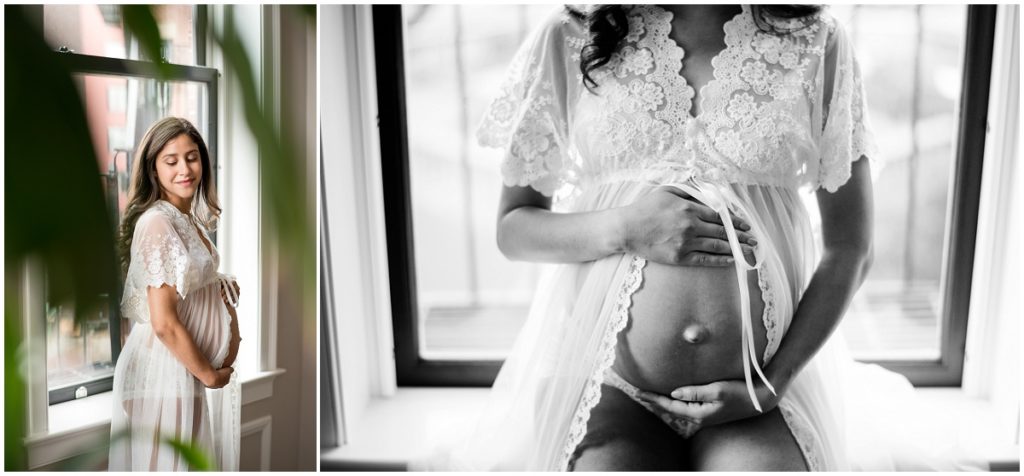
(119, 110)
(896, 314)
(98, 30)
(472, 300)
(76, 353)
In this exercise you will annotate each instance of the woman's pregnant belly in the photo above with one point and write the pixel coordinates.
(204, 315)
(685, 328)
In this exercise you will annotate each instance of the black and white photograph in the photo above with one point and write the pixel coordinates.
(669, 237)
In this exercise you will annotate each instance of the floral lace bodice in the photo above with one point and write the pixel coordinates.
(783, 109)
(166, 249)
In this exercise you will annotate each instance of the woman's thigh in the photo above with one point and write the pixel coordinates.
(761, 443)
(623, 436)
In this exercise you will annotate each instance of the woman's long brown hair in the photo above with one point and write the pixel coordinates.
(145, 187)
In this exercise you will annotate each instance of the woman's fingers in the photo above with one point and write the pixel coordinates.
(675, 191)
(718, 247)
(693, 411)
(706, 213)
(707, 260)
(711, 230)
(697, 393)
(701, 250)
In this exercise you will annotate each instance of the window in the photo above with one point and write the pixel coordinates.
(457, 303)
(463, 303)
(98, 30)
(911, 312)
(122, 98)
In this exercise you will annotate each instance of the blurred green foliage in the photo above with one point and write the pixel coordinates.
(55, 207)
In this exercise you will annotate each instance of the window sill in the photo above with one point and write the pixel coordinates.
(395, 430)
(76, 426)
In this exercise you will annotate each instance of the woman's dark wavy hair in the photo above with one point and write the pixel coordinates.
(608, 25)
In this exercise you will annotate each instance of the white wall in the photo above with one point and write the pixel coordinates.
(992, 367)
(294, 405)
(354, 210)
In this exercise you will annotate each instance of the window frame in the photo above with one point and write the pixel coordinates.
(962, 209)
(960, 234)
(107, 66)
(410, 368)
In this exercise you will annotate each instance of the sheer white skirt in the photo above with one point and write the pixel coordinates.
(540, 403)
(157, 400)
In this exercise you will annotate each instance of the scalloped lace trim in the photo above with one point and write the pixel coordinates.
(606, 357)
(768, 317)
(804, 436)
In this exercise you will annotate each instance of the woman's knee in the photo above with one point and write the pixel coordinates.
(762, 443)
(623, 436)
(622, 454)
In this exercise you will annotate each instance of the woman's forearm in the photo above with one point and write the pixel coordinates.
(846, 223)
(535, 234)
(236, 338)
(177, 339)
(835, 281)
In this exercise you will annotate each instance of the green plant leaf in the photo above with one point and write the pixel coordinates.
(54, 205)
(138, 19)
(196, 459)
(282, 190)
(15, 458)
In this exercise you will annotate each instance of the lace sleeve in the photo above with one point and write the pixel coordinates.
(158, 257)
(847, 134)
(529, 116)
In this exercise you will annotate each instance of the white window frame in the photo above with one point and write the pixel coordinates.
(354, 221)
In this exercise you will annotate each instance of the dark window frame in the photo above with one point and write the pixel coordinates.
(962, 211)
(962, 214)
(101, 65)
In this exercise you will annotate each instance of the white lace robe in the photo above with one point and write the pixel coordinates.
(155, 398)
(784, 113)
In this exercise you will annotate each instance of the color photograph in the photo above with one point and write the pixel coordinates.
(160, 228)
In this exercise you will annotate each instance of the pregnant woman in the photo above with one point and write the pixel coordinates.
(173, 380)
(659, 154)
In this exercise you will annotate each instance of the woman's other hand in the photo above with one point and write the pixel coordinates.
(224, 295)
(714, 403)
(218, 378)
(668, 226)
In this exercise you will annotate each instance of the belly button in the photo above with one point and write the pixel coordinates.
(695, 334)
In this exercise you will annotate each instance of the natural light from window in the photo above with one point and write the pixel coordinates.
(472, 301)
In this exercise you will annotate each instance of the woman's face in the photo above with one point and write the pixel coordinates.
(179, 168)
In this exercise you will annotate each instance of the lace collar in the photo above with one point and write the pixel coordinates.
(657, 23)
(189, 228)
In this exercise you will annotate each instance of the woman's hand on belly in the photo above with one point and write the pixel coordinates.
(224, 295)
(670, 227)
(714, 403)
